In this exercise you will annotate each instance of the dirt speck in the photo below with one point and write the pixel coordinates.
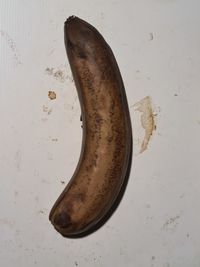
(11, 44)
(153, 258)
(41, 211)
(147, 120)
(151, 36)
(45, 181)
(7, 222)
(49, 156)
(175, 94)
(171, 223)
(49, 71)
(76, 263)
(36, 172)
(47, 109)
(62, 182)
(54, 139)
(52, 95)
(18, 158)
(74, 102)
(57, 74)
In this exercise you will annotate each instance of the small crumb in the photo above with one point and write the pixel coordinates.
(62, 182)
(52, 95)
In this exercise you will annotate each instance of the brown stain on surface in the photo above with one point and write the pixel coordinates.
(52, 95)
(147, 120)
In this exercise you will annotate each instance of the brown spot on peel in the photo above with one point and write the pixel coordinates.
(62, 220)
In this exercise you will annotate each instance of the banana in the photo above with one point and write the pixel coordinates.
(107, 134)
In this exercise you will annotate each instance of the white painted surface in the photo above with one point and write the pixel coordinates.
(157, 222)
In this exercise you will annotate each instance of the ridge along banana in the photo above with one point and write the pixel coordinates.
(107, 135)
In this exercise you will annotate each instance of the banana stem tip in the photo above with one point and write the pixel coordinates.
(70, 18)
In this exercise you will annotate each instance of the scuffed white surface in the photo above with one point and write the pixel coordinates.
(156, 43)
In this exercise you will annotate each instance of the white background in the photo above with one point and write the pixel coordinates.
(158, 221)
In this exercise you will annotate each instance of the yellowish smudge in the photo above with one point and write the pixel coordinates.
(147, 120)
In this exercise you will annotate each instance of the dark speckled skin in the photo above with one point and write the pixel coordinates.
(107, 135)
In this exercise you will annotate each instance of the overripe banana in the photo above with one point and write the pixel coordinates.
(107, 134)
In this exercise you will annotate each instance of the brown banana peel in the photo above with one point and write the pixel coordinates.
(107, 134)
